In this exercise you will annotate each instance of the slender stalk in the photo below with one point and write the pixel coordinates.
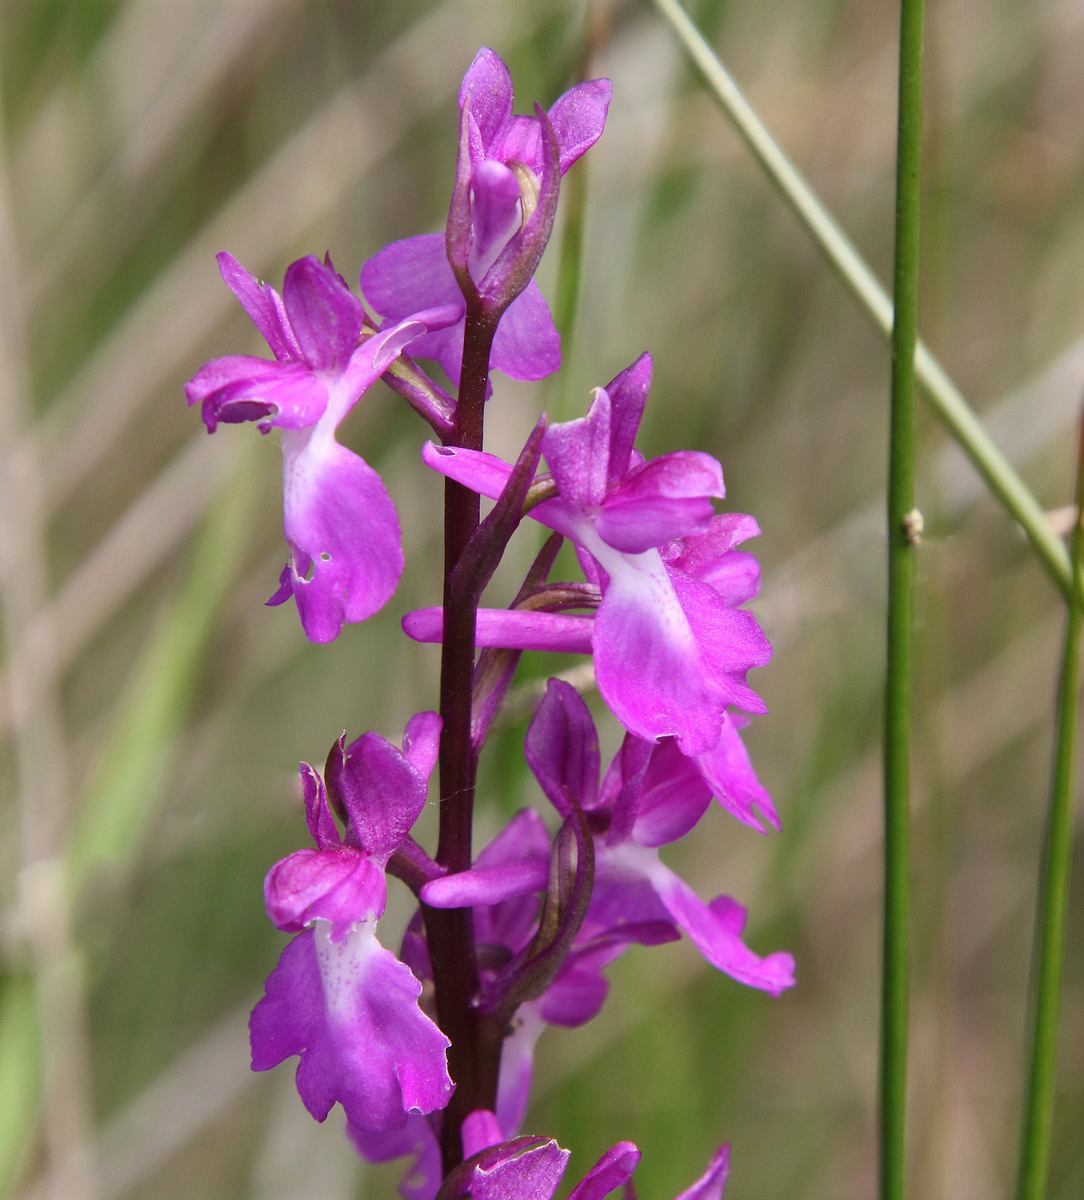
(474, 1055)
(902, 535)
(945, 398)
(1035, 1134)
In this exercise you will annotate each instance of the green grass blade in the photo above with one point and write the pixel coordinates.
(943, 395)
(1053, 894)
(902, 534)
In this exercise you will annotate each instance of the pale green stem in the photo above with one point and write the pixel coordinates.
(942, 394)
(903, 528)
(1053, 894)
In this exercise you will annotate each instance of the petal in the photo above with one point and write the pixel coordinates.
(730, 775)
(628, 396)
(487, 885)
(517, 1070)
(341, 887)
(381, 792)
(504, 1173)
(240, 388)
(712, 1184)
(561, 748)
(318, 816)
(416, 1137)
(421, 742)
(486, 93)
(350, 1009)
(510, 628)
(339, 518)
(497, 214)
(613, 1170)
(325, 316)
(578, 454)
(661, 500)
(648, 663)
(263, 305)
(409, 276)
(673, 796)
(715, 930)
(579, 117)
(711, 558)
(527, 345)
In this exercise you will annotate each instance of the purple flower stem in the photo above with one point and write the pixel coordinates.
(474, 1056)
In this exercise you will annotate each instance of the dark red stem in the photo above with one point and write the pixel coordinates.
(474, 1056)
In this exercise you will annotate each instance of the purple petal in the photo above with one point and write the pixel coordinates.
(263, 305)
(481, 472)
(517, 1173)
(628, 395)
(613, 1170)
(318, 816)
(579, 117)
(510, 628)
(578, 454)
(732, 779)
(480, 1131)
(648, 664)
(517, 1070)
(421, 742)
(711, 558)
(381, 791)
(410, 276)
(350, 1010)
(325, 316)
(712, 1184)
(663, 499)
(416, 1137)
(338, 886)
(240, 388)
(673, 796)
(527, 345)
(716, 933)
(339, 519)
(486, 93)
(487, 885)
(497, 214)
(562, 748)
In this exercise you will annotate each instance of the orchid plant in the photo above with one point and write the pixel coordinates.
(430, 1051)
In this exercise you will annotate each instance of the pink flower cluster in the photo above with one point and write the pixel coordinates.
(553, 899)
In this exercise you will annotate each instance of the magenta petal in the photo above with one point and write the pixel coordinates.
(416, 1137)
(578, 454)
(381, 792)
(530, 1173)
(579, 117)
(239, 388)
(510, 628)
(325, 315)
(527, 345)
(487, 885)
(613, 1170)
(263, 305)
(421, 742)
(339, 518)
(350, 1009)
(712, 1184)
(496, 208)
(661, 500)
(628, 395)
(711, 558)
(482, 473)
(410, 276)
(716, 933)
(649, 667)
(732, 779)
(337, 886)
(673, 797)
(561, 748)
(486, 92)
(325, 832)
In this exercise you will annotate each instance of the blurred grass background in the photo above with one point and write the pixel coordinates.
(154, 712)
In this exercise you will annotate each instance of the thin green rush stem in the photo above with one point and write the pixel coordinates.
(903, 528)
(1035, 1133)
(946, 399)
